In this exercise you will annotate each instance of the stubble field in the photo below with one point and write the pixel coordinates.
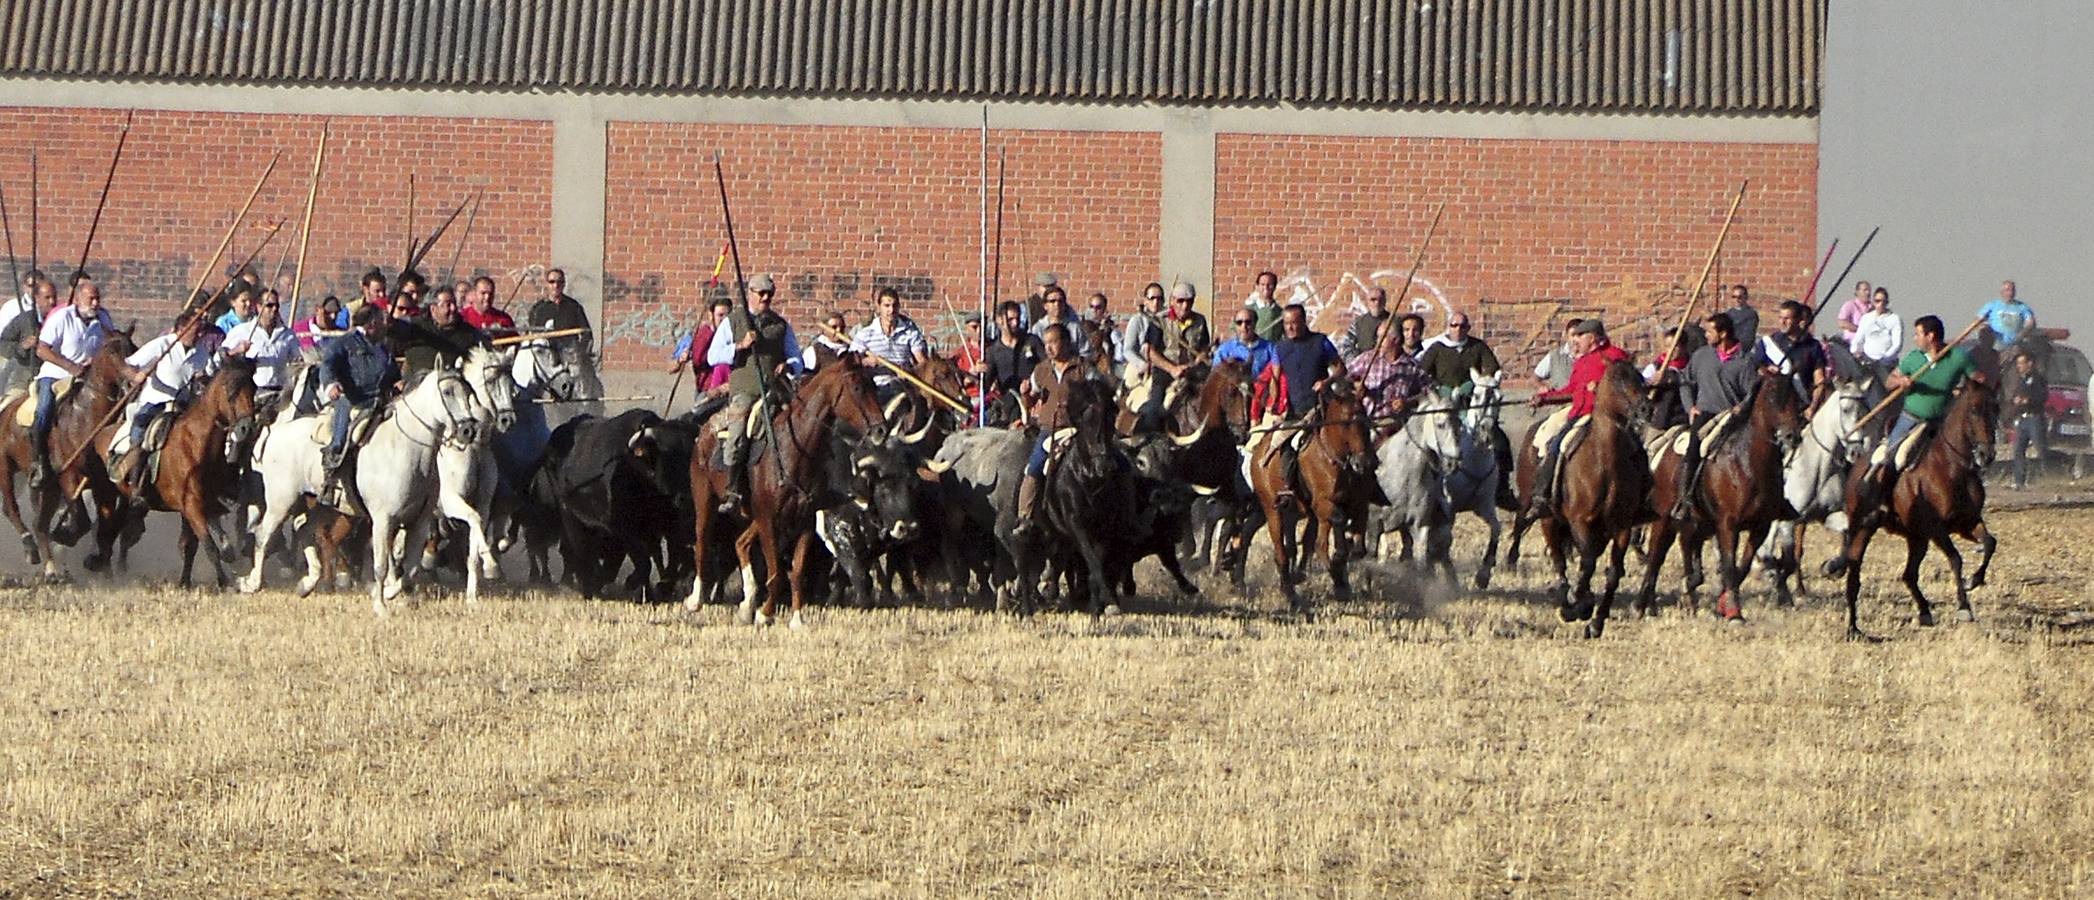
(170, 743)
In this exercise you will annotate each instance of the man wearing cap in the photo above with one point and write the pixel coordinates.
(1595, 354)
(893, 337)
(760, 347)
(1183, 341)
(1037, 300)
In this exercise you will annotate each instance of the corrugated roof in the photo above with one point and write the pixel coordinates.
(1684, 56)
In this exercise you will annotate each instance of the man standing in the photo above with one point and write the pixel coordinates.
(269, 343)
(1742, 316)
(761, 348)
(480, 311)
(359, 373)
(1791, 350)
(1554, 370)
(2008, 317)
(1013, 355)
(560, 312)
(1365, 334)
(1927, 398)
(1879, 334)
(1451, 357)
(1265, 306)
(66, 344)
(1595, 354)
(1143, 328)
(163, 368)
(2027, 392)
(893, 337)
(1851, 313)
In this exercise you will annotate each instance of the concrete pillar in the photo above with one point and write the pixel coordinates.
(1188, 203)
(580, 138)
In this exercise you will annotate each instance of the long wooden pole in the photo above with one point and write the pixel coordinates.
(410, 225)
(459, 250)
(988, 291)
(96, 224)
(906, 375)
(305, 231)
(1936, 357)
(1810, 294)
(1865, 242)
(422, 252)
(204, 277)
(1418, 259)
(1714, 251)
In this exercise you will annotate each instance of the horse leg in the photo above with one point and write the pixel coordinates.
(798, 576)
(696, 599)
(773, 573)
(1489, 514)
(1282, 552)
(744, 548)
(1986, 545)
(197, 523)
(274, 510)
(1094, 565)
(1857, 548)
(46, 508)
(1618, 549)
(1589, 547)
(13, 509)
(1947, 543)
(185, 542)
(457, 507)
(1552, 533)
(1915, 551)
(1727, 604)
(1658, 542)
(381, 560)
(1330, 547)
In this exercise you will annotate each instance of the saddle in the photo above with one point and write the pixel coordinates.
(1678, 440)
(147, 468)
(1057, 447)
(362, 424)
(1906, 452)
(1138, 389)
(1572, 436)
(756, 432)
(63, 388)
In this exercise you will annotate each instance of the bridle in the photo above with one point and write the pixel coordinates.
(450, 433)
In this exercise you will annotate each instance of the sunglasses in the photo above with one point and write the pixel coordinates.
(1245, 322)
(1097, 307)
(272, 306)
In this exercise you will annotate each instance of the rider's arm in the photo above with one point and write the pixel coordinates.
(792, 351)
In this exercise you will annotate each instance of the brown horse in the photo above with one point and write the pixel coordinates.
(1939, 498)
(787, 470)
(1334, 479)
(1738, 494)
(1605, 486)
(95, 394)
(198, 474)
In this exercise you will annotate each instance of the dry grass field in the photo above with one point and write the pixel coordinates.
(163, 743)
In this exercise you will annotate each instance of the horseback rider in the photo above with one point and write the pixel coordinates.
(1181, 343)
(1453, 360)
(66, 344)
(1145, 326)
(18, 336)
(1595, 354)
(893, 337)
(270, 345)
(164, 368)
(1389, 380)
(560, 312)
(1011, 356)
(1047, 391)
(1303, 362)
(1364, 337)
(360, 374)
(1721, 376)
(1927, 395)
(1791, 350)
(761, 348)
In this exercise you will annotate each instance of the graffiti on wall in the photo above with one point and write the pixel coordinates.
(1331, 304)
(642, 312)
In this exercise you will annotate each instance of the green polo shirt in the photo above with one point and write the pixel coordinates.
(1928, 398)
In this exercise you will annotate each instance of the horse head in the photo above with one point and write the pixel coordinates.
(1225, 398)
(1619, 396)
(229, 400)
(1340, 426)
(1972, 421)
(538, 367)
(1779, 411)
(487, 372)
(1837, 424)
(841, 391)
(1434, 426)
(1481, 416)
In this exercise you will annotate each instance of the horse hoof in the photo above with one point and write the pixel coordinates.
(1111, 609)
(763, 621)
(1834, 567)
(378, 608)
(1856, 636)
(796, 623)
(305, 586)
(1483, 581)
(1924, 620)
(745, 614)
(95, 562)
(1567, 612)
(1964, 616)
(1594, 629)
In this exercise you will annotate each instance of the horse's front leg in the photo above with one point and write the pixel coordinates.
(197, 523)
(1727, 604)
(1489, 514)
(1094, 566)
(1658, 542)
(798, 576)
(381, 561)
(774, 576)
(457, 507)
(1986, 545)
(1618, 549)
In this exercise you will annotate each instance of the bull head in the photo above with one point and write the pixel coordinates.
(917, 436)
(1187, 440)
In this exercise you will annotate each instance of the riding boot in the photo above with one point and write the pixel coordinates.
(1028, 499)
(737, 486)
(1683, 487)
(1539, 503)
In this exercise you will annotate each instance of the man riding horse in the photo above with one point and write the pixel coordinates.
(1047, 393)
(760, 347)
(66, 344)
(165, 369)
(1303, 361)
(1927, 395)
(1595, 354)
(360, 374)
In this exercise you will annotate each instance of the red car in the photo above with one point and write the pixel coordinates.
(2066, 409)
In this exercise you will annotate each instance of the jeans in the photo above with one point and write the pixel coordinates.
(1150, 416)
(340, 409)
(141, 419)
(1904, 426)
(1036, 465)
(2028, 444)
(46, 407)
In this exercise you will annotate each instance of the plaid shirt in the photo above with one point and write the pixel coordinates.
(1385, 377)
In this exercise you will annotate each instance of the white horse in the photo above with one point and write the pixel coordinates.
(540, 373)
(466, 475)
(1472, 486)
(395, 475)
(1412, 467)
(1814, 481)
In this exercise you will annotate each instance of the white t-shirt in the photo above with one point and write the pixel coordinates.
(272, 352)
(174, 368)
(15, 306)
(1879, 336)
(74, 339)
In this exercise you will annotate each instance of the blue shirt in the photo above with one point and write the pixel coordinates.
(360, 366)
(1304, 362)
(1259, 356)
(226, 322)
(2009, 319)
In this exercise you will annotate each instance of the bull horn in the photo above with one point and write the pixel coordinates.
(917, 436)
(1205, 491)
(887, 412)
(939, 466)
(866, 462)
(634, 441)
(1187, 440)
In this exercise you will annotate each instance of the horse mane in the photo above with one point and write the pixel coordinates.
(1976, 398)
(1619, 394)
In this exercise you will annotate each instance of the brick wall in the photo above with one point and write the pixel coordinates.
(1534, 230)
(831, 212)
(184, 174)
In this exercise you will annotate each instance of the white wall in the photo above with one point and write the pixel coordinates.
(1967, 131)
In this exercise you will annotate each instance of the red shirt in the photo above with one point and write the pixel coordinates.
(1585, 378)
(491, 320)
